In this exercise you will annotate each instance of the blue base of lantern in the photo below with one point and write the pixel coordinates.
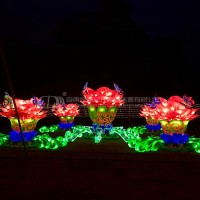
(155, 127)
(103, 128)
(175, 138)
(16, 136)
(66, 125)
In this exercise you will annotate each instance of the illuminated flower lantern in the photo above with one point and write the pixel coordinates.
(66, 113)
(148, 111)
(102, 106)
(174, 115)
(29, 113)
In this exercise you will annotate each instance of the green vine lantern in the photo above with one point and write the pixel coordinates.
(102, 104)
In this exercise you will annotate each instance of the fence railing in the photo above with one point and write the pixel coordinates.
(131, 107)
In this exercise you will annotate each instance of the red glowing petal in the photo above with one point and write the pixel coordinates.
(103, 96)
(65, 110)
(173, 109)
(175, 99)
(26, 110)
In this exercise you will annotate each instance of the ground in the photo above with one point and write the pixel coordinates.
(106, 170)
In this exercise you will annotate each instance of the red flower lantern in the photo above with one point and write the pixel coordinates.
(148, 111)
(29, 113)
(102, 104)
(174, 115)
(66, 113)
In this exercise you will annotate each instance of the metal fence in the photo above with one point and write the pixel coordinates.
(131, 107)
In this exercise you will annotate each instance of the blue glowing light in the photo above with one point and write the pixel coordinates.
(16, 136)
(153, 127)
(175, 138)
(66, 125)
(103, 128)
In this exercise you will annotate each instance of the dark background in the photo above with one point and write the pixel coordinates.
(146, 47)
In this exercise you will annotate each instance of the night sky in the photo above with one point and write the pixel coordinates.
(146, 47)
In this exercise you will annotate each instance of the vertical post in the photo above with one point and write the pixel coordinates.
(12, 95)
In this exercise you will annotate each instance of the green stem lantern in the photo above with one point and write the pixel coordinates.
(174, 126)
(27, 125)
(102, 115)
